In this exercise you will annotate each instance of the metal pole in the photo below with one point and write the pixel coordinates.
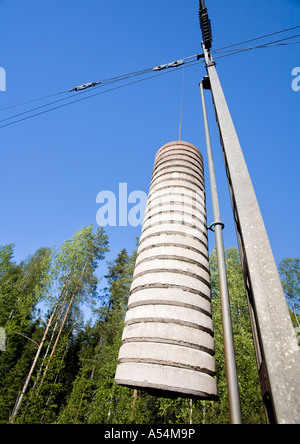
(230, 361)
(277, 348)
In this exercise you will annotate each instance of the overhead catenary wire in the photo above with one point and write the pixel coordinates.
(266, 45)
(187, 61)
(88, 97)
(112, 89)
(144, 71)
(104, 82)
(255, 38)
(82, 92)
(275, 43)
(32, 100)
(100, 83)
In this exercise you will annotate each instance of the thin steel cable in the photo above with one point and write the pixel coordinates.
(264, 45)
(32, 100)
(67, 98)
(255, 38)
(129, 75)
(110, 80)
(104, 82)
(93, 95)
(181, 110)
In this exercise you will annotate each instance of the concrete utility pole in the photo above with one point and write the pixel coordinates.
(276, 345)
(230, 360)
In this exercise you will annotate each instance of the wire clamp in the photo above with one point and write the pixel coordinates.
(169, 65)
(84, 86)
(211, 227)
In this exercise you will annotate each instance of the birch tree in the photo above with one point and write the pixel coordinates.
(95, 397)
(70, 282)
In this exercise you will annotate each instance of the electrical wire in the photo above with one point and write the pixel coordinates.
(90, 96)
(33, 100)
(103, 82)
(110, 80)
(107, 82)
(266, 45)
(281, 42)
(256, 38)
(187, 61)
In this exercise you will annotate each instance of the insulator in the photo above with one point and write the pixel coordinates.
(205, 25)
(167, 343)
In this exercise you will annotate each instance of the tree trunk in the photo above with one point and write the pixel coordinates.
(63, 323)
(21, 396)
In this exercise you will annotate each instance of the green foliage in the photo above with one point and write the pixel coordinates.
(251, 404)
(20, 290)
(64, 279)
(95, 397)
(72, 378)
(289, 270)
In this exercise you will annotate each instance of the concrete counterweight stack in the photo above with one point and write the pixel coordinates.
(168, 340)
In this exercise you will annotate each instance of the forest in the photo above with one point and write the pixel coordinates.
(56, 367)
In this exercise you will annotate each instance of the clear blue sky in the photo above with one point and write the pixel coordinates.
(54, 165)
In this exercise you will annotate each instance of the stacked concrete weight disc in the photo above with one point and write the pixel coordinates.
(168, 335)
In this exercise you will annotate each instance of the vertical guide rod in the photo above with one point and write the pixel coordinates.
(277, 350)
(230, 361)
(181, 109)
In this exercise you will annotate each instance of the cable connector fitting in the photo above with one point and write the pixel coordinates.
(168, 65)
(84, 86)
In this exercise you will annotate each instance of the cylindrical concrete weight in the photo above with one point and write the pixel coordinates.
(168, 341)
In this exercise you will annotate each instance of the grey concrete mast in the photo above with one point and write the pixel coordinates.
(276, 345)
